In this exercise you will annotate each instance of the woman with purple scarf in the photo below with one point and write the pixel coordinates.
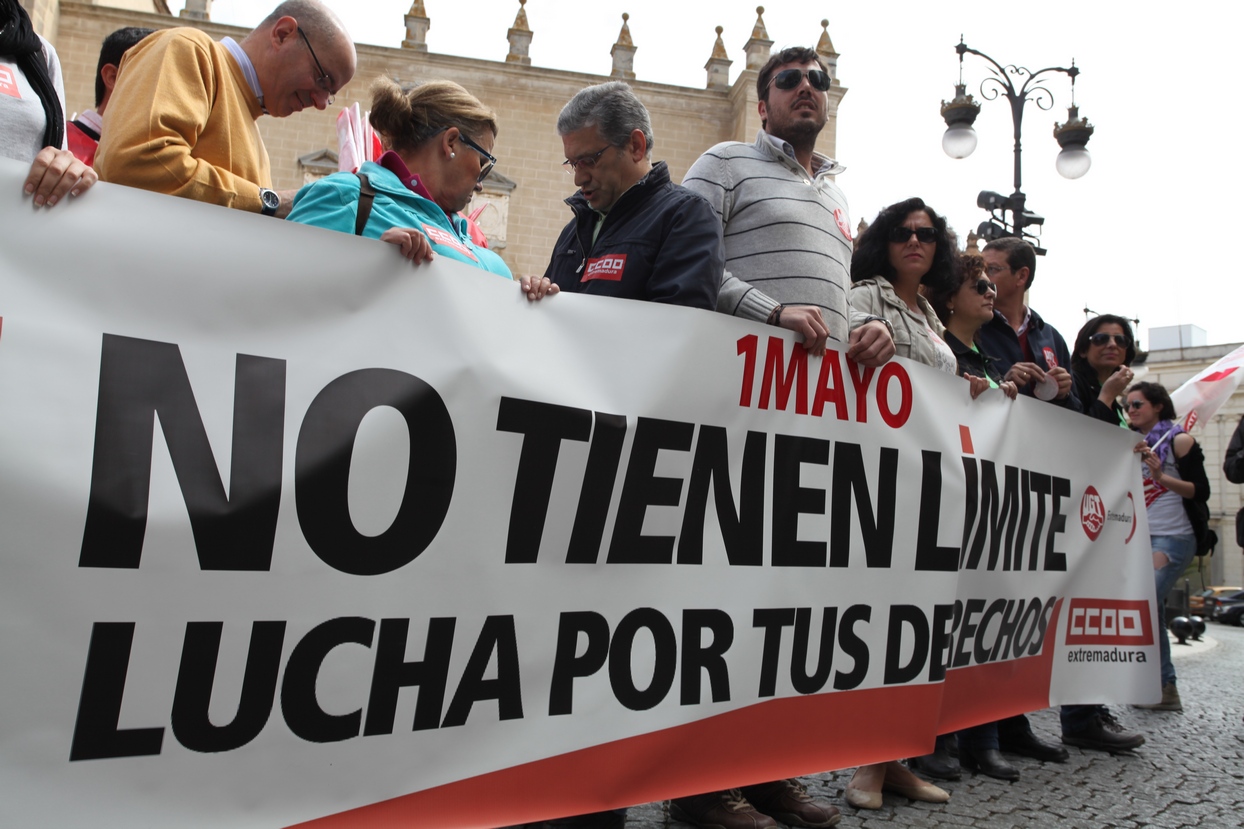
(1175, 482)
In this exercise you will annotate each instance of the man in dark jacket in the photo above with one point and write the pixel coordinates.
(1027, 350)
(1031, 353)
(635, 234)
(1233, 468)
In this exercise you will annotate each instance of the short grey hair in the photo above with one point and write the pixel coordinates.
(611, 107)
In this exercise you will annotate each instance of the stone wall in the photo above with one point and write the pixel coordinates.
(44, 16)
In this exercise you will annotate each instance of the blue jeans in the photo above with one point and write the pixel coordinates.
(1179, 550)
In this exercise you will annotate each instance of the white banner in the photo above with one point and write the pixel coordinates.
(294, 532)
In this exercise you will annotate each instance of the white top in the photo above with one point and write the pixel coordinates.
(22, 120)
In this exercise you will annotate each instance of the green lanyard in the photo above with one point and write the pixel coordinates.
(992, 384)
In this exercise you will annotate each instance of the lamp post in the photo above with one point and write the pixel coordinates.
(960, 139)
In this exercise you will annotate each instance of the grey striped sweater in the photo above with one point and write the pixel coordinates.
(786, 235)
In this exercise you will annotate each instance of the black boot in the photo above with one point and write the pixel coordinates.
(988, 761)
(939, 764)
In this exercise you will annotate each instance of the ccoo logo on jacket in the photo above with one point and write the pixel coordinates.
(609, 268)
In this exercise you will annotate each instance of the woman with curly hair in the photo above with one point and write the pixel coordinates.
(964, 304)
(906, 247)
(1100, 366)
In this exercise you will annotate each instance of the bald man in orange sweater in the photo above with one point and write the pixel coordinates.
(183, 113)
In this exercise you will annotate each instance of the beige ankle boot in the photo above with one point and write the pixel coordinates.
(1170, 700)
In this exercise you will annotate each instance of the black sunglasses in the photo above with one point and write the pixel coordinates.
(1103, 338)
(1135, 404)
(490, 160)
(984, 286)
(791, 78)
(900, 235)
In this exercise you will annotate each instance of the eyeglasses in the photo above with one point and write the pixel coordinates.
(791, 78)
(900, 235)
(324, 82)
(1133, 405)
(1102, 338)
(586, 162)
(490, 160)
(984, 286)
(994, 270)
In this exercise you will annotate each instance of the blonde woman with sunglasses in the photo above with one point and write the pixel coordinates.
(438, 141)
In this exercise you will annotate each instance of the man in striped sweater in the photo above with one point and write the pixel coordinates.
(786, 226)
(788, 261)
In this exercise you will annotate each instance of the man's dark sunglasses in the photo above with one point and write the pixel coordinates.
(900, 235)
(1102, 338)
(790, 78)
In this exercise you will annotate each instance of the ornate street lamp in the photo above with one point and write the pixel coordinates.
(960, 139)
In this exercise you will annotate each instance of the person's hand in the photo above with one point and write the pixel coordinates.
(1116, 383)
(1063, 378)
(55, 174)
(1021, 374)
(538, 287)
(805, 320)
(1150, 459)
(1009, 389)
(976, 385)
(413, 244)
(871, 344)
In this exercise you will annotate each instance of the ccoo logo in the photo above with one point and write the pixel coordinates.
(1092, 513)
(609, 268)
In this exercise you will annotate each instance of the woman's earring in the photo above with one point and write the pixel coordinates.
(453, 155)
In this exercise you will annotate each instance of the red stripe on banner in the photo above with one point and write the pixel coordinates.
(1013, 687)
(767, 741)
(965, 439)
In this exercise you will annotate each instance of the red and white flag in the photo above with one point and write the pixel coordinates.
(356, 140)
(1198, 399)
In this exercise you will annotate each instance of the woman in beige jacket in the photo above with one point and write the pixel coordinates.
(907, 246)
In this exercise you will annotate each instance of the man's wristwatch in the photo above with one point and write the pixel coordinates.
(271, 201)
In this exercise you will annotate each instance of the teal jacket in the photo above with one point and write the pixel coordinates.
(332, 203)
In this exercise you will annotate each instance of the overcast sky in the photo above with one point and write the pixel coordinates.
(1126, 238)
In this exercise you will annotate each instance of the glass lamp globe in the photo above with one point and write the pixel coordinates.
(1073, 162)
(959, 141)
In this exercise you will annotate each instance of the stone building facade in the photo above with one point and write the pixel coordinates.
(523, 199)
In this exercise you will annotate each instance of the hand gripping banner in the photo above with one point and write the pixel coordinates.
(295, 533)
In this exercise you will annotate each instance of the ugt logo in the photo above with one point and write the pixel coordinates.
(1092, 513)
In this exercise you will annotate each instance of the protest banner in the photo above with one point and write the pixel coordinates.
(295, 533)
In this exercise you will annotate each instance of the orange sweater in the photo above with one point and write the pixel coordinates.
(181, 121)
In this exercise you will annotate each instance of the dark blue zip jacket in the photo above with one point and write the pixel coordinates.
(998, 339)
(659, 242)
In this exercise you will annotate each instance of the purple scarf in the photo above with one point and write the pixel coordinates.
(1156, 438)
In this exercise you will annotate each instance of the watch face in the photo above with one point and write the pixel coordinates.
(270, 199)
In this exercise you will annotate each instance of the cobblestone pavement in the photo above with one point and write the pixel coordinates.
(1190, 772)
